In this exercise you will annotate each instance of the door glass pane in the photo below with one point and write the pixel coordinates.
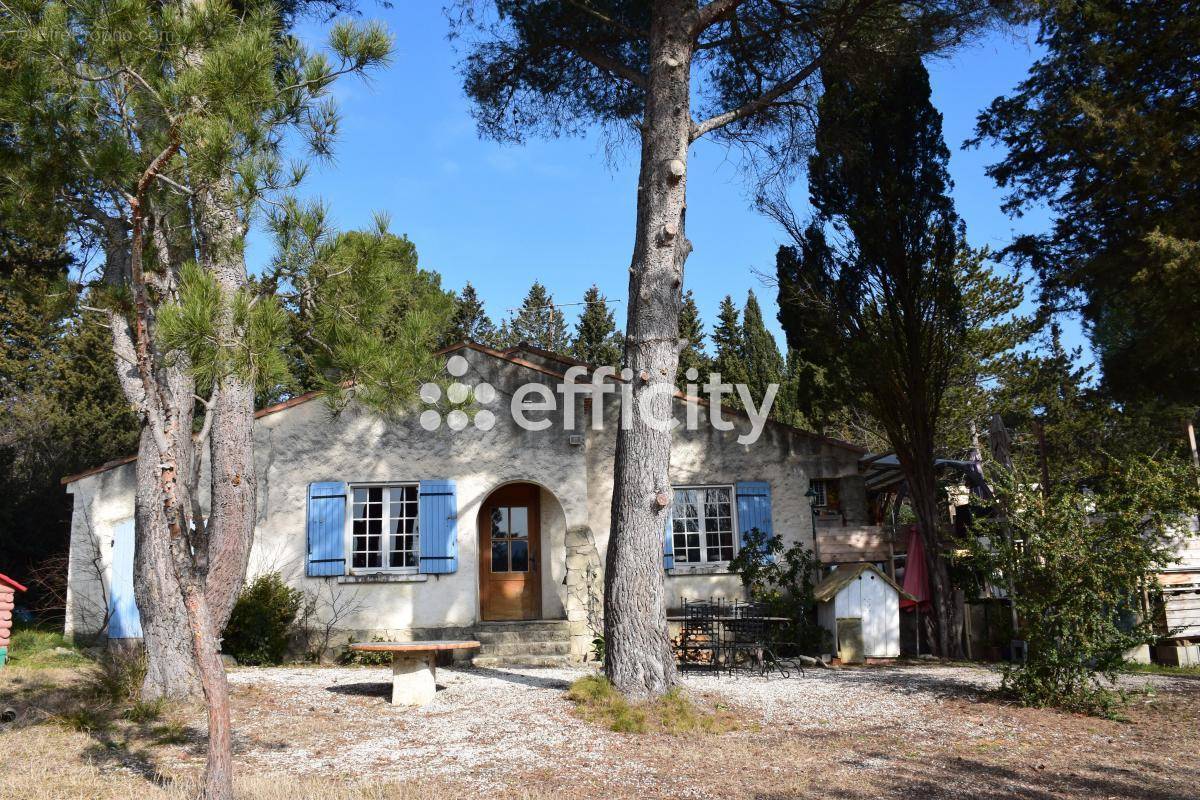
(518, 522)
(499, 523)
(499, 555)
(520, 555)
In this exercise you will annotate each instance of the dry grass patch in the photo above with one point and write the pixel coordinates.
(675, 713)
(60, 764)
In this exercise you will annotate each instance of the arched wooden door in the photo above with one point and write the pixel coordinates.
(510, 554)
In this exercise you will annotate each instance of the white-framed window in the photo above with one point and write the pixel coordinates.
(703, 525)
(820, 490)
(384, 530)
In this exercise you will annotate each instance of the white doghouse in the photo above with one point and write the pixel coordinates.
(860, 607)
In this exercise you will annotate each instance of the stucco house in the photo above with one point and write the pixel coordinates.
(449, 524)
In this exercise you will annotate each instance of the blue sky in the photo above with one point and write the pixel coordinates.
(562, 211)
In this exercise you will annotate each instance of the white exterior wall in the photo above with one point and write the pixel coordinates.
(783, 457)
(101, 502)
(304, 444)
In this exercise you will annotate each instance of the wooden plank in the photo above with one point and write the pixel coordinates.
(845, 556)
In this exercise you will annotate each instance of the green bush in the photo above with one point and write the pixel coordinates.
(782, 580)
(262, 621)
(367, 658)
(1078, 561)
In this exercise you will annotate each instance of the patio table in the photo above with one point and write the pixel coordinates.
(414, 666)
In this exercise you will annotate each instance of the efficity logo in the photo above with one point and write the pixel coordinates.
(533, 405)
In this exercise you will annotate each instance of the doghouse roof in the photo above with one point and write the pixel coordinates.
(841, 577)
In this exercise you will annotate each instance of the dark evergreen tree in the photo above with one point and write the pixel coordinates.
(538, 322)
(886, 299)
(763, 363)
(471, 322)
(728, 357)
(596, 339)
(691, 331)
(816, 383)
(1105, 131)
(61, 411)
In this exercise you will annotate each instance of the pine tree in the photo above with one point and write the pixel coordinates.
(763, 364)
(596, 339)
(471, 322)
(538, 322)
(645, 68)
(691, 331)
(729, 359)
(155, 131)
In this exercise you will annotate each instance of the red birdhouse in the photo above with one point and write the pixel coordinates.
(8, 590)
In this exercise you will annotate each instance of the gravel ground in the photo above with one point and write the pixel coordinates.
(870, 732)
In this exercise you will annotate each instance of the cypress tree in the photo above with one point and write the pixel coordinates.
(596, 339)
(763, 363)
(889, 304)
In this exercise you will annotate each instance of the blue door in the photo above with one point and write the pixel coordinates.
(124, 621)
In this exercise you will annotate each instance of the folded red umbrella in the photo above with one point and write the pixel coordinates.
(916, 577)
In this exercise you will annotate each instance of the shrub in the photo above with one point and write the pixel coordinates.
(782, 580)
(262, 621)
(367, 658)
(1078, 562)
(598, 649)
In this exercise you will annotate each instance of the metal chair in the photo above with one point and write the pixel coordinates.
(748, 637)
(700, 634)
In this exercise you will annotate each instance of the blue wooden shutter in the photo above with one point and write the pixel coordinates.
(326, 529)
(438, 531)
(124, 622)
(754, 508)
(669, 534)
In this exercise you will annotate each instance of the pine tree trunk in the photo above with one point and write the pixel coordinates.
(234, 482)
(638, 656)
(170, 661)
(923, 484)
(218, 771)
(234, 488)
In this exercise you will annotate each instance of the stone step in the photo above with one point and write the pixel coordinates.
(496, 637)
(557, 648)
(522, 661)
(529, 625)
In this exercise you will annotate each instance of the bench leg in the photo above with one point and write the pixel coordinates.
(413, 678)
